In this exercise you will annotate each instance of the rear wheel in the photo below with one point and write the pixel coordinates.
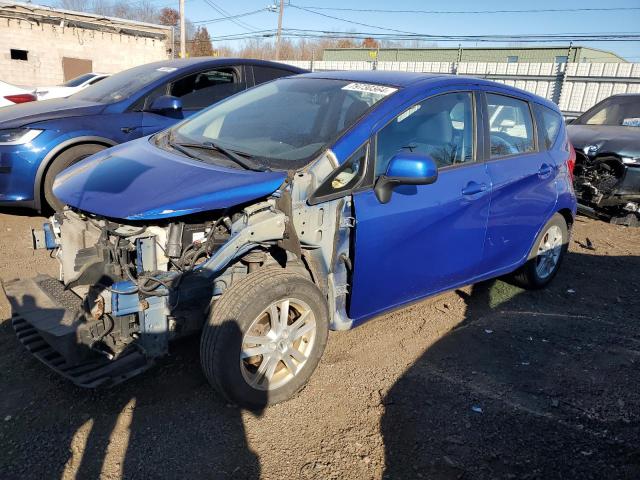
(546, 256)
(62, 161)
(264, 337)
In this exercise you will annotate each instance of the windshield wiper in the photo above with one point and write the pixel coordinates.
(234, 157)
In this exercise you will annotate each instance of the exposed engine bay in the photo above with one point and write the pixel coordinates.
(608, 188)
(126, 290)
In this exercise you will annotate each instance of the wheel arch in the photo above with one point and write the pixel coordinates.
(568, 217)
(38, 194)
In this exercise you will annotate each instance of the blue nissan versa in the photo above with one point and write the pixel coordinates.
(40, 139)
(305, 204)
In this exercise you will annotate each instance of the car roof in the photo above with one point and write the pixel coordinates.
(195, 61)
(422, 80)
(394, 79)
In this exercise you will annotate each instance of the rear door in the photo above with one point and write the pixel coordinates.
(197, 91)
(427, 238)
(523, 176)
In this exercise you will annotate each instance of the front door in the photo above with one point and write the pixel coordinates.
(197, 91)
(427, 238)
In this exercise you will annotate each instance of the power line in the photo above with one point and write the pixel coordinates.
(474, 12)
(229, 16)
(486, 38)
(224, 19)
(350, 21)
(524, 38)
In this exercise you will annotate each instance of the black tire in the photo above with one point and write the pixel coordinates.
(62, 161)
(528, 275)
(235, 311)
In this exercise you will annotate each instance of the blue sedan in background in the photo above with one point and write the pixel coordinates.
(40, 139)
(309, 203)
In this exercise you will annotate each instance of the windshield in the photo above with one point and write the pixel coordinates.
(74, 82)
(284, 123)
(122, 85)
(619, 111)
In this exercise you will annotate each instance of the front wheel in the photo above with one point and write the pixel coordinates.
(264, 337)
(67, 158)
(546, 256)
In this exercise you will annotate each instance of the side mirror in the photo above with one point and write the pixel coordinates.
(166, 105)
(406, 168)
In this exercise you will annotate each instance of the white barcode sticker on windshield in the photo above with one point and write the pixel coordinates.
(166, 69)
(370, 88)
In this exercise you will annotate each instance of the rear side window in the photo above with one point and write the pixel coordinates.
(265, 74)
(205, 88)
(510, 126)
(551, 121)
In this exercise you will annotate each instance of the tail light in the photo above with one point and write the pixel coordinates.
(21, 98)
(571, 161)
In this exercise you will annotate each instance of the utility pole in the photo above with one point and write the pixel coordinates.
(183, 33)
(279, 34)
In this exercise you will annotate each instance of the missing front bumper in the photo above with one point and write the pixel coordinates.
(46, 317)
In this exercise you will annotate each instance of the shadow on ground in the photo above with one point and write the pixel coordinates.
(530, 385)
(168, 423)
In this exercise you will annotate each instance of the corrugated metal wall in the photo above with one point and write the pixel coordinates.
(470, 54)
(575, 87)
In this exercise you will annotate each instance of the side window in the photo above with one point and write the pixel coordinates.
(510, 126)
(441, 127)
(343, 178)
(146, 101)
(550, 123)
(265, 74)
(96, 80)
(202, 89)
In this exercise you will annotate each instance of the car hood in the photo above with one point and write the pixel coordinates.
(138, 181)
(623, 141)
(15, 116)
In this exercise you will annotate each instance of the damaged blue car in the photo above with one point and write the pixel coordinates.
(305, 204)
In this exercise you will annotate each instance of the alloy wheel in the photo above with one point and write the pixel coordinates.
(277, 344)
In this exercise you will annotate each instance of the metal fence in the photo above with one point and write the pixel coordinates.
(575, 87)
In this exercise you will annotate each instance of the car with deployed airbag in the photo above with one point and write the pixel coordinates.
(308, 203)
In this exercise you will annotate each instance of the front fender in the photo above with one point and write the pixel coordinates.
(55, 147)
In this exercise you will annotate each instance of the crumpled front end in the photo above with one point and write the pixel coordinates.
(126, 290)
(607, 172)
(607, 186)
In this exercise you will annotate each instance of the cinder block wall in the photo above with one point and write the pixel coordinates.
(47, 44)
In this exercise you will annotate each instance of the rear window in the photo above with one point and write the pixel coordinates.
(550, 123)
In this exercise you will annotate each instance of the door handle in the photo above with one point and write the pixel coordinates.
(127, 129)
(545, 170)
(473, 188)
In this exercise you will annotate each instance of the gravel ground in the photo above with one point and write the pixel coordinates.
(487, 382)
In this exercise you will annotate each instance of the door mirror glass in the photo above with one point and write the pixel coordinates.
(166, 105)
(406, 168)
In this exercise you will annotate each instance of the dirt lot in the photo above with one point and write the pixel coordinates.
(490, 382)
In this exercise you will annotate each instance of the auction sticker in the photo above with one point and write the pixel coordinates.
(370, 88)
(166, 69)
